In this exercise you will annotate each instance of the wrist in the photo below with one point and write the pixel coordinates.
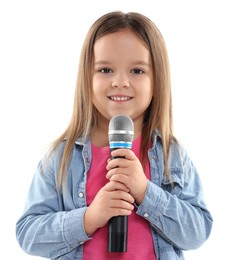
(89, 223)
(141, 195)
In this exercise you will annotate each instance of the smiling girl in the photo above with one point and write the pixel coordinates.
(77, 189)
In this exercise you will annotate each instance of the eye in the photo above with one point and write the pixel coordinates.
(105, 70)
(137, 71)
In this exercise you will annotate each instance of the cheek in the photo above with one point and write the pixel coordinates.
(96, 89)
(98, 94)
(147, 101)
(98, 85)
(146, 93)
(147, 97)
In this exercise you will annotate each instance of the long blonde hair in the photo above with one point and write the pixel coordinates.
(159, 113)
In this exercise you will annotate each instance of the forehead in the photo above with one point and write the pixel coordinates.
(120, 43)
(125, 36)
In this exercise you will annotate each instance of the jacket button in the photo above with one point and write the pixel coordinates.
(81, 194)
(146, 215)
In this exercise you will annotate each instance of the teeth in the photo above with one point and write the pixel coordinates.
(120, 98)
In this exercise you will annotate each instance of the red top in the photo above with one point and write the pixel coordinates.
(140, 242)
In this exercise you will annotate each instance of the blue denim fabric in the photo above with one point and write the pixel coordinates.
(52, 222)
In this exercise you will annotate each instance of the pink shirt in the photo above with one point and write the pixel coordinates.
(140, 242)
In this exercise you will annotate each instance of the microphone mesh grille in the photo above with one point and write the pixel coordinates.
(121, 128)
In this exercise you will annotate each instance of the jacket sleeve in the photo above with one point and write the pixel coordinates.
(46, 229)
(179, 213)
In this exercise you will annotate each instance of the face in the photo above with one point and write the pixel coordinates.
(122, 79)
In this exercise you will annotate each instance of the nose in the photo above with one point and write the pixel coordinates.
(120, 81)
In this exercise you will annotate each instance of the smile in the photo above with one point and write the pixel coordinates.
(119, 98)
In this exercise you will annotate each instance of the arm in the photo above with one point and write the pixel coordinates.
(52, 225)
(45, 228)
(180, 216)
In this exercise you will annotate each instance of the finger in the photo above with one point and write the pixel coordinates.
(119, 195)
(120, 178)
(118, 171)
(126, 153)
(120, 212)
(109, 159)
(118, 162)
(114, 185)
(121, 204)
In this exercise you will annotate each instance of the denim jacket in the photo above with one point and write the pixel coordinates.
(51, 225)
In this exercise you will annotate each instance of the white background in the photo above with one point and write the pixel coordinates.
(40, 42)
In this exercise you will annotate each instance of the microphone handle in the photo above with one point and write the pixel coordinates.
(117, 231)
(117, 234)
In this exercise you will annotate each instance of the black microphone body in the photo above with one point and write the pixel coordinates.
(121, 134)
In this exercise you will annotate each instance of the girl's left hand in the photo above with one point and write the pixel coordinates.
(129, 171)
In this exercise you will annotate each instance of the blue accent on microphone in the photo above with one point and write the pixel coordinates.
(126, 145)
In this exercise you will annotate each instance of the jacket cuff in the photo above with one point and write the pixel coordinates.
(73, 227)
(153, 203)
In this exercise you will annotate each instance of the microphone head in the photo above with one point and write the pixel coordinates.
(121, 132)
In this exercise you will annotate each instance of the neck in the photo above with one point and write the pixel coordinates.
(99, 135)
(137, 127)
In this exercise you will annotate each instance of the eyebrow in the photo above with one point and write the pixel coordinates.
(103, 62)
(142, 63)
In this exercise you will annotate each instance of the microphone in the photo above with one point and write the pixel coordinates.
(121, 134)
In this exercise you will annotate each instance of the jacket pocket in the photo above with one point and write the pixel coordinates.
(174, 184)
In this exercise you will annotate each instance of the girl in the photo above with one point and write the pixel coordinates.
(77, 189)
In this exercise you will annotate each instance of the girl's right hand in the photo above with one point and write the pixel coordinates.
(111, 200)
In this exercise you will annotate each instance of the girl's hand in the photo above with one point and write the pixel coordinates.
(128, 171)
(111, 200)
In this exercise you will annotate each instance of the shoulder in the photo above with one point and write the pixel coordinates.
(81, 146)
(178, 155)
(52, 158)
(55, 152)
(176, 149)
(181, 164)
